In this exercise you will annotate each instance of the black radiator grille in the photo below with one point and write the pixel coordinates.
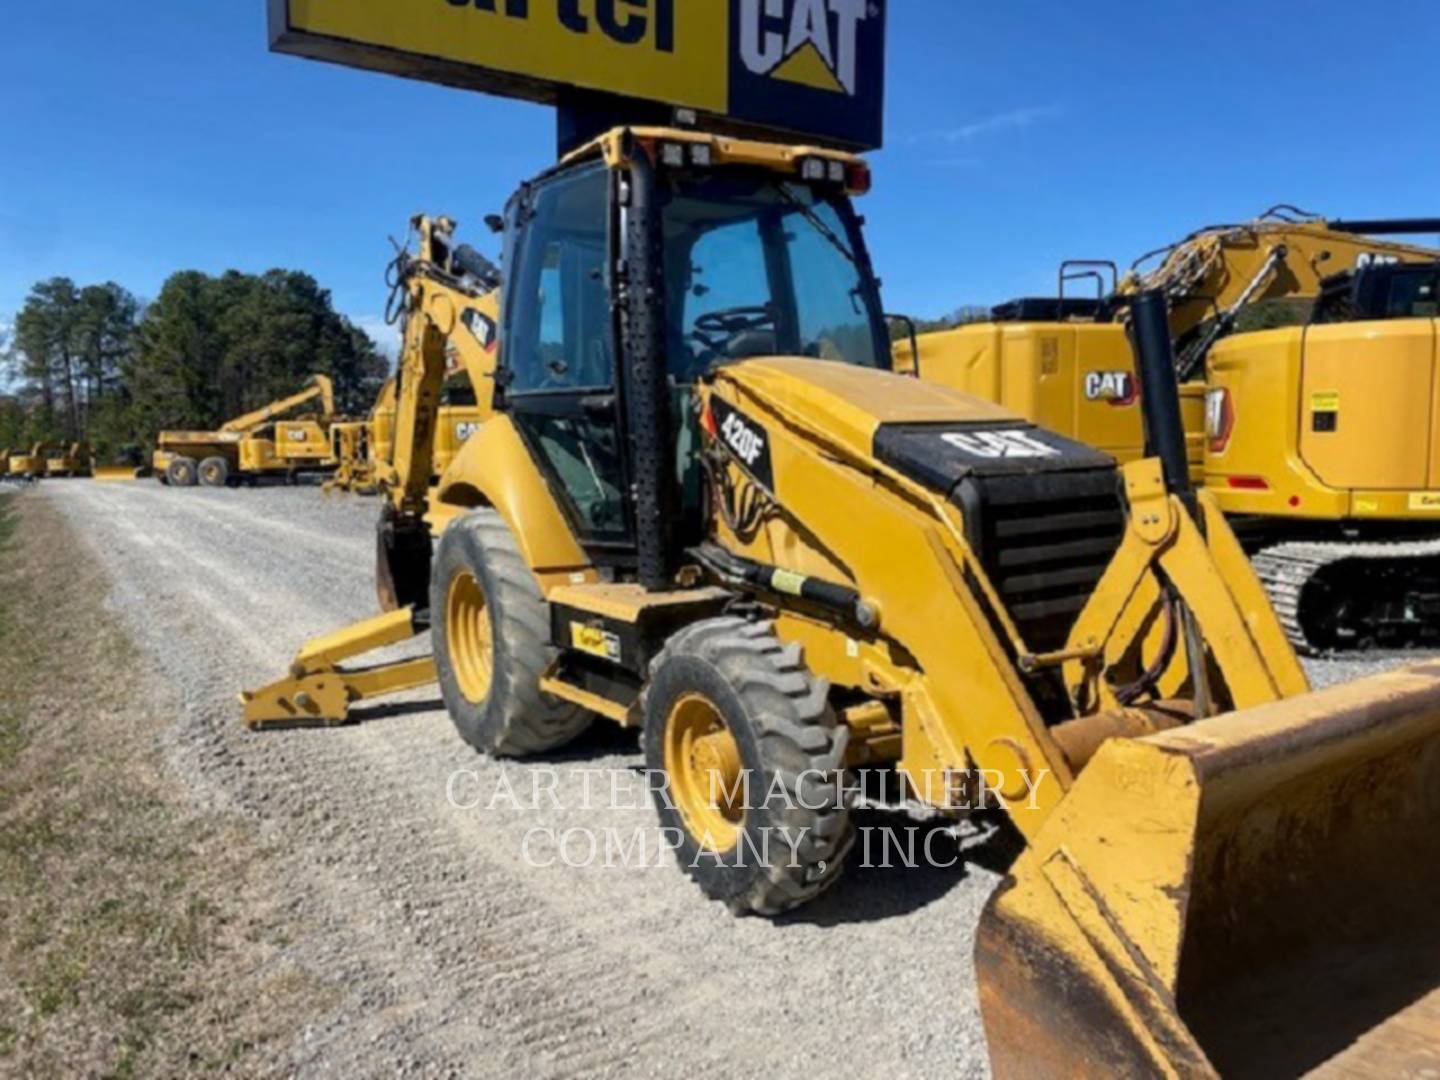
(1045, 540)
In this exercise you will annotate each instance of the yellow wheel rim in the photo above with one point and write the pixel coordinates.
(702, 761)
(467, 631)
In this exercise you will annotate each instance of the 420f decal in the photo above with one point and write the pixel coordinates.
(745, 440)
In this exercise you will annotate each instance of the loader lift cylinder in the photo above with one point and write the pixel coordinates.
(1160, 390)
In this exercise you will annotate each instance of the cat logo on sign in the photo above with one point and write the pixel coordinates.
(809, 42)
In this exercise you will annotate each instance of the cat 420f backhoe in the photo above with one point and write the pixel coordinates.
(701, 504)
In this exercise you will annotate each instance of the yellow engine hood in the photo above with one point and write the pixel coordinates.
(850, 402)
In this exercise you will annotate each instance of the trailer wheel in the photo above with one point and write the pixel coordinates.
(750, 754)
(181, 472)
(215, 472)
(490, 627)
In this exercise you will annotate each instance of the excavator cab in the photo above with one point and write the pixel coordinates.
(1369, 354)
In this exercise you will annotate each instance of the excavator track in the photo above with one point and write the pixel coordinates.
(1332, 596)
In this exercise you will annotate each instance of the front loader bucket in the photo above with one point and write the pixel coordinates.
(1255, 894)
(117, 473)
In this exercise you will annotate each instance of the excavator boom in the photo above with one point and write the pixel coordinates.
(1212, 275)
(320, 387)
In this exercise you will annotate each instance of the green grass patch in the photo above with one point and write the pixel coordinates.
(124, 941)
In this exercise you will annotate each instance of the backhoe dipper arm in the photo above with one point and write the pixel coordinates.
(320, 387)
(446, 310)
(446, 307)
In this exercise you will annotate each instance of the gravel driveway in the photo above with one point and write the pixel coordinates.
(435, 896)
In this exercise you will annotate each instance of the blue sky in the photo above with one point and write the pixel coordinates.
(145, 137)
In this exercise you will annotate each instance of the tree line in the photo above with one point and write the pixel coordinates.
(92, 363)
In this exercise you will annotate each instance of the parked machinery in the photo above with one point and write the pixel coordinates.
(32, 465)
(1339, 505)
(72, 461)
(700, 503)
(361, 447)
(257, 444)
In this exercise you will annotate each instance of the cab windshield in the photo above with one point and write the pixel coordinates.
(762, 267)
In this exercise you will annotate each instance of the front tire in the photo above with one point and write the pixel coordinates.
(490, 627)
(730, 711)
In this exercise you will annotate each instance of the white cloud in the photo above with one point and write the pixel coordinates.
(1012, 120)
(385, 337)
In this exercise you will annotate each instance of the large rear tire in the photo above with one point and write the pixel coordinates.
(490, 627)
(215, 472)
(729, 712)
(181, 472)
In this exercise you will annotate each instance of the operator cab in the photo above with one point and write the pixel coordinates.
(1380, 291)
(678, 253)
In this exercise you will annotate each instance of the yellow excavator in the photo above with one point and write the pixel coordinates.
(701, 503)
(254, 445)
(1339, 508)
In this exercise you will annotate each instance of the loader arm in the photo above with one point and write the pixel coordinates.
(320, 387)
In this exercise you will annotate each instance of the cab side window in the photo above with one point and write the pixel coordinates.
(558, 326)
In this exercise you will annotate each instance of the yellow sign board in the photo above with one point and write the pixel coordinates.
(805, 67)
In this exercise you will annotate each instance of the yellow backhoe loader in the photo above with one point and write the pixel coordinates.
(699, 502)
(75, 460)
(359, 447)
(350, 448)
(1338, 505)
(257, 444)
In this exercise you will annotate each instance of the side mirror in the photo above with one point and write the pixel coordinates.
(495, 223)
(909, 324)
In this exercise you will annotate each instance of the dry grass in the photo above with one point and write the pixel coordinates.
(137, 936)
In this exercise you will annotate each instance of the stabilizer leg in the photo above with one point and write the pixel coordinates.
(320, 692)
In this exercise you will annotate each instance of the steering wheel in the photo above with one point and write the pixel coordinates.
(717, 329)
